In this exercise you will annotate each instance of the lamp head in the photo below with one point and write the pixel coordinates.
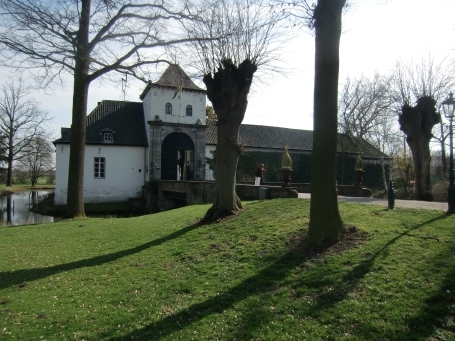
(449, 107)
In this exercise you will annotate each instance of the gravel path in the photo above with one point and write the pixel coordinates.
(439, 206)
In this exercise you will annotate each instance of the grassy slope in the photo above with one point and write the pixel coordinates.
(162, 277)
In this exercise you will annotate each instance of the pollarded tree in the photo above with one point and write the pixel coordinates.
(21, 121)
(417, 123)
(425, 78)
(249, 37)
(88, 39)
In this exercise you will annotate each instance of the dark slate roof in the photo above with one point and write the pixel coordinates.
(171, 78)
(255, 136)
(124, 119)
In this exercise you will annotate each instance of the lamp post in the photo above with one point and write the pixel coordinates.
(449, 110)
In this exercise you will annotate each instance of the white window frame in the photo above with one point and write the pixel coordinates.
(168, 109)
(108, 137)
(190, 110)
(99, 168)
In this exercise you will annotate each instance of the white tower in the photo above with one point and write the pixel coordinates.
(174, 111)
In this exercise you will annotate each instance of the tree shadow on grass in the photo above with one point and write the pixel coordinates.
(17, 277)
(438, 312)
(261, 282)
(421, 325)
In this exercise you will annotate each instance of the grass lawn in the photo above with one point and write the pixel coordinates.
(164, 277)
(22, 187)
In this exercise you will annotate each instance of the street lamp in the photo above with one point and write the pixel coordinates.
(449, 111)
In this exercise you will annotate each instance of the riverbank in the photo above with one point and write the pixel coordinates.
(4, 190)
(117, 209)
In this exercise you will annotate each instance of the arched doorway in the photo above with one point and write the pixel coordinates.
(177, 157)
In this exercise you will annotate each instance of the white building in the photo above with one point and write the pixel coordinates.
(131, 143)
(165, 137)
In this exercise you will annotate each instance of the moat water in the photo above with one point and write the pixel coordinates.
(15, 209)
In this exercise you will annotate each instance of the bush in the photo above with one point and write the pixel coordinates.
(440, 188)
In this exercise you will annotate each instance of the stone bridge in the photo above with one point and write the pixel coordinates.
(168, 194)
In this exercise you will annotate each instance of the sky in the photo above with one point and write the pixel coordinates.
(376, 34)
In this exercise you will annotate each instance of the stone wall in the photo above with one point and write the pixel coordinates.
(164, 195)
(158, 131)
(171, 194)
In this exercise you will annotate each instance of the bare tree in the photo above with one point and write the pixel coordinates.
(88, 39)
(3, 157)
(249, 38)
(21, 122)
(363, 103)
(38, 159)
(325, 220)
(366, 111)
(324, 16)
(386, 137)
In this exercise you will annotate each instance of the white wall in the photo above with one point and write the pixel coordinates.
(122, 177)
(157, 97)
(62, 157)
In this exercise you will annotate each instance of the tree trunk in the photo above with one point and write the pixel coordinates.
(343, 155)
(228, 91)
(384, 175)
(417, 123)
(10, 155)
(9, 174)
(75, 195)
(9, 210)
(407, 180)
(325, 221)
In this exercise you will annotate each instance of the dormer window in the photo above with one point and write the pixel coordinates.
(168, 109)
(189, 110)
(107, 136)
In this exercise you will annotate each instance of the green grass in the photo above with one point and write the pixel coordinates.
(163, 277)
(22, 187)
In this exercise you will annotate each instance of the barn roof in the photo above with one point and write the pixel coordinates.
(124, 119)
(265, 137)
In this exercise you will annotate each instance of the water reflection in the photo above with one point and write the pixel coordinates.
(15, 208)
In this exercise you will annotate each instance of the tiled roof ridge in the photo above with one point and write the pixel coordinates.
(274, 127)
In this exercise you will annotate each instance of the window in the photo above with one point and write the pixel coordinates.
(189, 110)
(108, 138)
(168, 109)
(100, 168)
